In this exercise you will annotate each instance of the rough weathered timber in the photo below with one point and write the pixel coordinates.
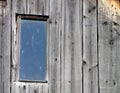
(54, 46)
(71, 46)
(79, 59)
(22, 87)
(108, 51)
(90, 64)
(38, 7)
(23, 7)
(6, 45)
(1, 78)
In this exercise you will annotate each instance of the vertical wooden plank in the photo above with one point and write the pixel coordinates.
(41, 88)
(115, 64)
(38, 7)
(6, 45)
(13, 41)
(90, 64)
(108, 50)
(1, 21)
(13, 88)
(21, 6)
(116, 53)
(32, 6)
(32, 89)
(19, 87)
(75, 8)
(44, 10)
(1, 55)
(71, 46)
(104, 52)
(54, 46)
(46, 88)
(66, 48)
(18, 6)
(16, 88)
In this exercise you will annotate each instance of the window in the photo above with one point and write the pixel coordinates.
(32, 48)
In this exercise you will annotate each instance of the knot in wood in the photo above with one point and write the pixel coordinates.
(35, 90)
(24, 87)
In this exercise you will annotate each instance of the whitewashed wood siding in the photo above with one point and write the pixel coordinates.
(83, 46)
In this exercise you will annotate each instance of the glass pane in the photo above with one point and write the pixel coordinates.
(33, 50)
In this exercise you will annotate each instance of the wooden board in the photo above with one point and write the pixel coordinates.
(54, 46)
(90, 61)
(76, 43)
(71, 46)
(109, 51)
(6, 47)
(21, 87)
(83, 46)
(34, 7)
(20, 6)
(1, 63)
(39, 7)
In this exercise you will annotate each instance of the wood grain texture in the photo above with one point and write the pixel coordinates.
(105, 56)
(21, 6)
(38, 7)
(90, 64)
(116, 58)
(22, 87)
(54, 46)
(13, 41)
(71, 49)
(108, 51)
(76, 32)
(83, 46)
(1, 62)
(6, 45)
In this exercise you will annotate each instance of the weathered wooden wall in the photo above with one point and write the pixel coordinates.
(83, 46)
(109, 47)
(5, 45)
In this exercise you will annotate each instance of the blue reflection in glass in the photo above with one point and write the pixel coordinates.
(33, 50)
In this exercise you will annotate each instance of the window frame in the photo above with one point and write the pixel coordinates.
(19, 17)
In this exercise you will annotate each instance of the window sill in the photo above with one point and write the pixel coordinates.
(34, 81)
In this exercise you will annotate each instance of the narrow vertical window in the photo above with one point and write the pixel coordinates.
(32, 65)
